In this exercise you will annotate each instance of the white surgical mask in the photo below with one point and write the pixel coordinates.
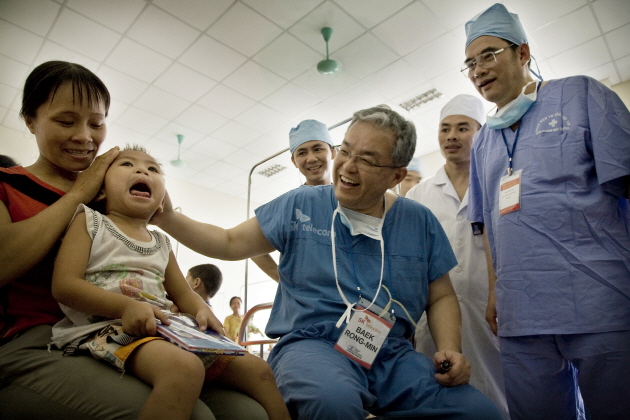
(513, 111)
(360, 224)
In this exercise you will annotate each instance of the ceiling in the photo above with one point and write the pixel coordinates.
(234, 76)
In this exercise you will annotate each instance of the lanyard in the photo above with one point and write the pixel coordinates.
(356, 276)
(350, 306)
(511, 152)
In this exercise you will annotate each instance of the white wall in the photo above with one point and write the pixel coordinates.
(623, 90)
(431, 162)
(19, 145)
(196, 202)
(225, 211)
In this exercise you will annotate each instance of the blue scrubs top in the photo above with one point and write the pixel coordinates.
(563, 259)
(298, 223)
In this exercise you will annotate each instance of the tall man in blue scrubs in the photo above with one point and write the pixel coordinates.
(358, 266)
(549, 177)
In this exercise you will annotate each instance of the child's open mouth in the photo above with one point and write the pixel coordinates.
(140, 189)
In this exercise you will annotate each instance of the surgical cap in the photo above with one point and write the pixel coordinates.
(467, 105)
(414, 165)
(308, 130)
(496, 21)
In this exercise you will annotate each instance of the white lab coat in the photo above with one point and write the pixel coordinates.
(470, 281)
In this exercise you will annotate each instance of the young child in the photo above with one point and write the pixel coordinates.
(115, 252)
(205, 280)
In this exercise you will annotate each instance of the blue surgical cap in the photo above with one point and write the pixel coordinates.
(414, 165)
(308, 130)
(496, 21)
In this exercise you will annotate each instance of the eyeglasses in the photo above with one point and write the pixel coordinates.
(486, 60)
(363, 163)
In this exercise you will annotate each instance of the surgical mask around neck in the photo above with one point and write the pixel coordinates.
(358, 226)
(361, 224)
(513, 111)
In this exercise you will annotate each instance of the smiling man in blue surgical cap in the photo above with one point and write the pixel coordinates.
(312, 152)
(550, 179)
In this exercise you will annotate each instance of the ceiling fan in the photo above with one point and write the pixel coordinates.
(327, 66)
(178, 163)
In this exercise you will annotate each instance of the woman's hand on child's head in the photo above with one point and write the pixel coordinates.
(138, 318)
(89, 182)
(206, 319)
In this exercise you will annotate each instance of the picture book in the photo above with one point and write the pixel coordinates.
(190, 338)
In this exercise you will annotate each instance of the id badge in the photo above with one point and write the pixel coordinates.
(363, 336)
(510, 193)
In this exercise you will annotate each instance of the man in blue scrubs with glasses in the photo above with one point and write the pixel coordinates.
(358, 267)
(549, 178)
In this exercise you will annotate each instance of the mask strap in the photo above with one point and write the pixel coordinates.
(350, 306)
(348, 311)
(538, 75)
(494, 108)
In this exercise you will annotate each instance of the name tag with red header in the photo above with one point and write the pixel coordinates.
(510, 193)
(363, 337)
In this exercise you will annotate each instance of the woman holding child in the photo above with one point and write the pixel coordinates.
(65, 106)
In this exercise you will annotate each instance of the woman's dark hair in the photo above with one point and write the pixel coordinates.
(45, 80)
(7, 162)
(235, 297)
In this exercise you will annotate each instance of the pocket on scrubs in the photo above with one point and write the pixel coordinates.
(559, 157)
(409, 284)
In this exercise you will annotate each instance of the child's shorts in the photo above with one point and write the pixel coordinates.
(115, 346)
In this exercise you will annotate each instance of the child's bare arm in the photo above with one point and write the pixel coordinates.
(70, 287)
(187, 300)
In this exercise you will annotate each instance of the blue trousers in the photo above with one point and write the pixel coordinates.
(545, 376)
(318, 382)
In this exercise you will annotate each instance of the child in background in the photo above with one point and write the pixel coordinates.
(115, 252)
(205, 280)
(232, 323)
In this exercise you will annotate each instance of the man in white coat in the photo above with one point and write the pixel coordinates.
(446, 195)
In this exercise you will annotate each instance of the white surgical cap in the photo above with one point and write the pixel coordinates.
(414, 165)
(467, 105)
(496, 21)
(308, 130)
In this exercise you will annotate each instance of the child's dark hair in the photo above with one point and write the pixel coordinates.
(135, 147)
(210, 276)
